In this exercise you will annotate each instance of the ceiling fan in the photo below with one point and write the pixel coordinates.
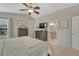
(30, 8)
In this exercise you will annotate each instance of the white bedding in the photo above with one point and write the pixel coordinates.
(24, 46)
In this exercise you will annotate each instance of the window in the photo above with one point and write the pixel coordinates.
(3, 27)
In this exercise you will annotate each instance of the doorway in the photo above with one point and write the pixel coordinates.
(53, 32)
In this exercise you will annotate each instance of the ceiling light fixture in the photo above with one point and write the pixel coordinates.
(52, 24)
(30, 10)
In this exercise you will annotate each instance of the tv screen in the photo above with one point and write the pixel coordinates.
(41, 25)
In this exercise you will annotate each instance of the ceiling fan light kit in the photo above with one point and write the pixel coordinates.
(30, 10)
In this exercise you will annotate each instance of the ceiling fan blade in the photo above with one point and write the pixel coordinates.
(30, 4)
(36, 12)
(37, 7)
(29, 13)
(25, 4)
(22, 9)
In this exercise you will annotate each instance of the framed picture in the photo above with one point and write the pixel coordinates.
(64, 24)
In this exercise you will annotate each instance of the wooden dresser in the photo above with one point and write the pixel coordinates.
(42, 35)
(23, 32)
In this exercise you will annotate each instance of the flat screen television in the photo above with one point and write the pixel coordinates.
(41, 25)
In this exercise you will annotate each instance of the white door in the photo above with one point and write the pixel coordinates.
(75, 32)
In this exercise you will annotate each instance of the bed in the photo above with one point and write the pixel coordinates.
(24, 46)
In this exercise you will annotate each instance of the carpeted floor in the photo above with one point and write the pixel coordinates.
(59, 50)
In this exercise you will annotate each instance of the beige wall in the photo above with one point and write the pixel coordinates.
(64, 35)
(14, 19)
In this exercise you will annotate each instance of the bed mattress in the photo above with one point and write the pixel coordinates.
(24, 46)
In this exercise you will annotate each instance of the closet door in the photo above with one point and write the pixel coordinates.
(75, 32)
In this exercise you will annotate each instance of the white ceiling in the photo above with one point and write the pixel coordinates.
(45, 8)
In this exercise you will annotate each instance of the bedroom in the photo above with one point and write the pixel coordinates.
(52, 25)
